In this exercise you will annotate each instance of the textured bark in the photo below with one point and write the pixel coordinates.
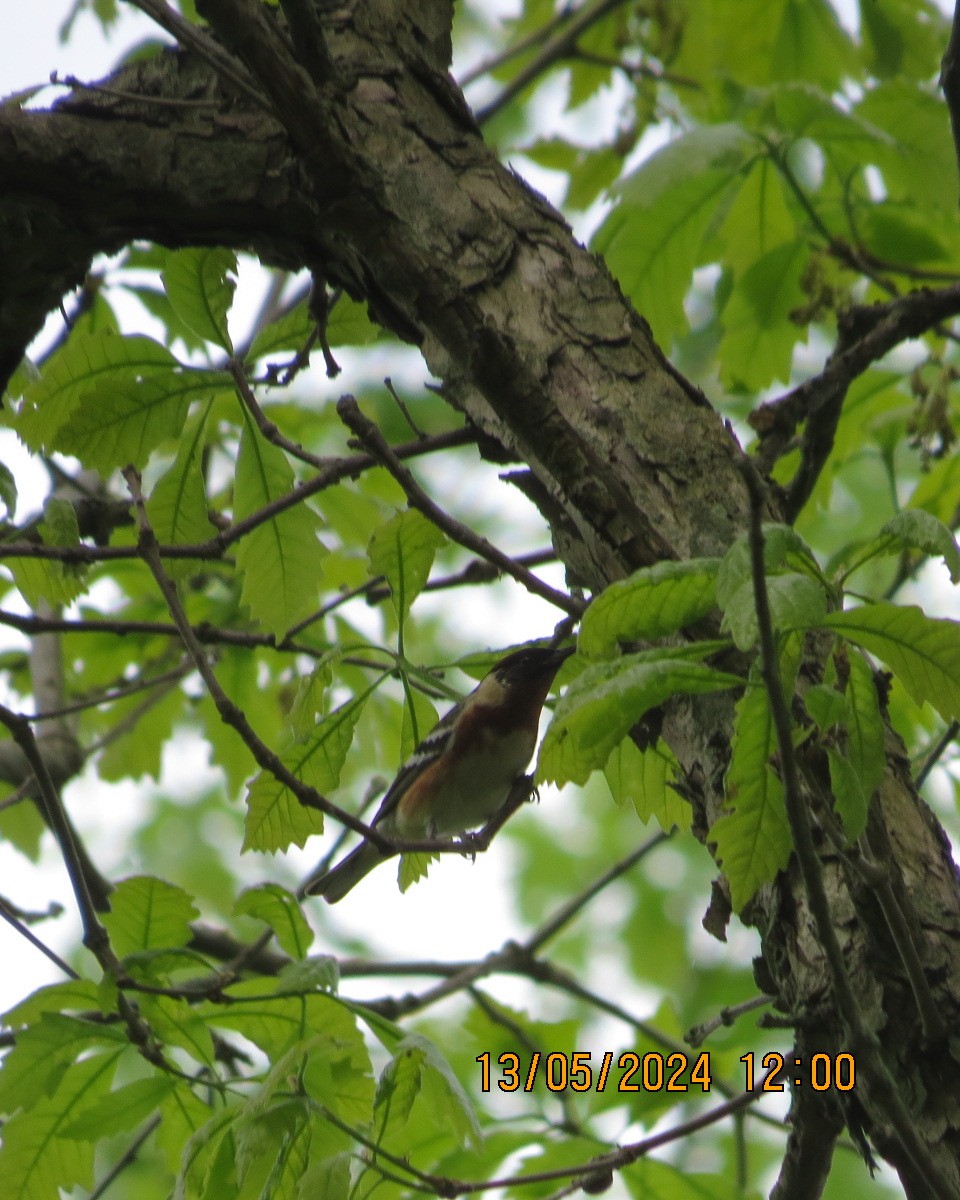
(374, 174)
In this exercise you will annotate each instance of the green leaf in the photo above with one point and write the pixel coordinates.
(327, 1178)
(920, 530)
(782, 547)
(275, 817)
(319, 973)
(200, 282)
(36, 1158)
(652, 603)
(43, 579)
(402, 550)
(148, 914)
(289, 332)
(848, 794)
(449, 1105)
(902, 38)
(602, 705)
(8, 491)
(122, 421)
(759, 333)
(642, 778)
(309, 702)
(865, 729)
(759, 220)
(923, 652)
(652, 240)
(766, 41)
(121, 1109)
(349, 325)
(281, 559)
(177, 506)
(102, 360)
(413, 867)
(796, 602)
(753, 838)
(919, 163)
(34, 1066)
(281, 910)
(827, 706)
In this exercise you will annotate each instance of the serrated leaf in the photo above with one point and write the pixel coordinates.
(602, 705)
(121, 1109)
(147, 913)
(848, 794)
(827, 706)
(753, 838)
(923, 652)
(281, 910)
(34, 1066)
(177, 506)
(275, 817)
(309, 701)
(123, 420)
(920, 530)
(44, 579)
(652, 603)
(413, 867)
(641, 777)
(282, 558)
(200, 282)
(35, 1158)
(759, 334)
(402, 550)
(450, 1106)
(796, 602)
(782, 547)
(652, 245)
(98, 360)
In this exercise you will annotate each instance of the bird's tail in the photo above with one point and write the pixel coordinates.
(345, 876)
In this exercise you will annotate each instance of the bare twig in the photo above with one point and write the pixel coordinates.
(555, 46)
(94, 935)
(27, 933)
(372, 438)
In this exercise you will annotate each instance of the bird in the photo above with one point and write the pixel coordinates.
(464, 769)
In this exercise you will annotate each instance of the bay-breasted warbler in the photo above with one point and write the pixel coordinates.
(464, 769)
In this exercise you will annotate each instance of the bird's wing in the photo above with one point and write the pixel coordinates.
(434, 745)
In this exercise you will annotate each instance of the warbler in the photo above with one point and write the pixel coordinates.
(463, 770)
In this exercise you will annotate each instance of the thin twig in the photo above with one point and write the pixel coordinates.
(936, 751)
(349, 412)
(128, 1157)
(94, 935)
(27, 933)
